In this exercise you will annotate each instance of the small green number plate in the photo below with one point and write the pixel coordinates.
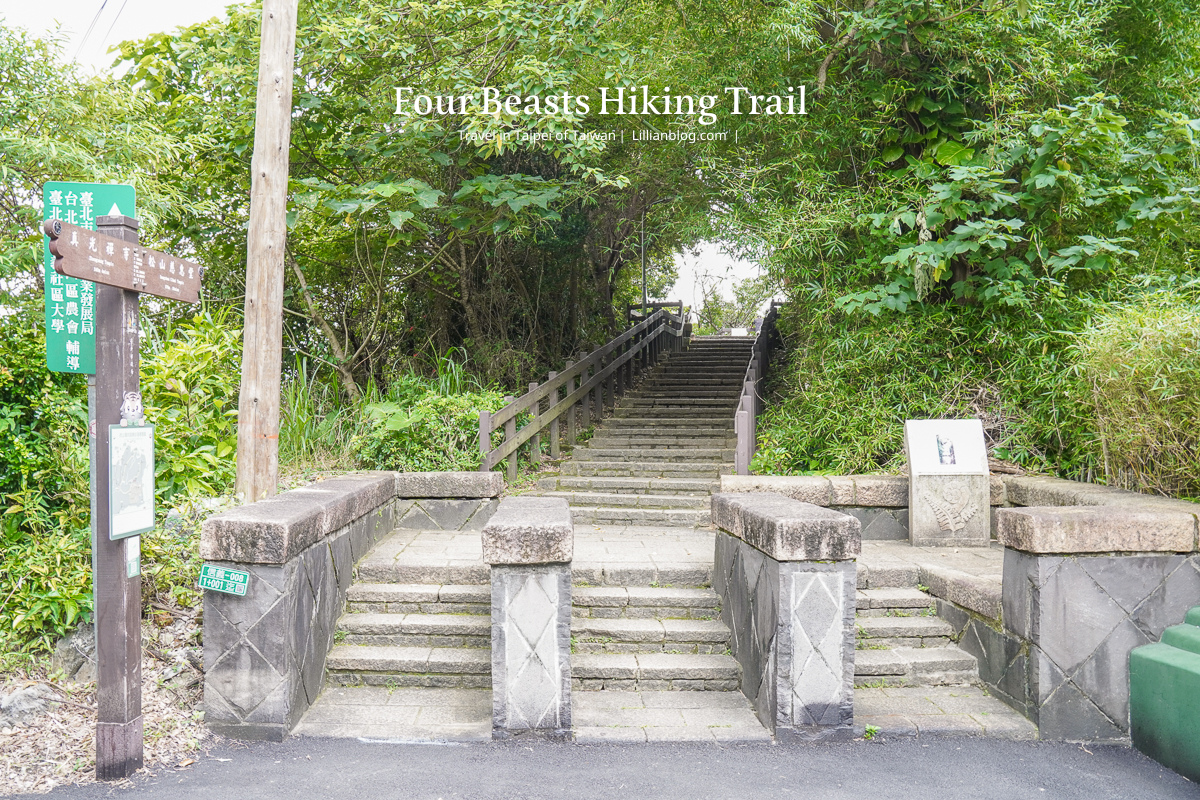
(220, 579)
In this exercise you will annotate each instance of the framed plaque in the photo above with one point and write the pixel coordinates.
(131, 480)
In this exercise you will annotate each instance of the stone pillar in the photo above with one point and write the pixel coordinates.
(949, 490)
(1083, 587)
(785, 572)
(529, 542)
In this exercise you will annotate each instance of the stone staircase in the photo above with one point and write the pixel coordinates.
(659, 457)
(656, 462)
(902, 642)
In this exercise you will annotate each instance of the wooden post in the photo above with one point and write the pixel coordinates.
(571, 427)
(510, 433)
(587, 396)
(118, 594)
(262, 336)
(555, 447)
(485, 438)
(535, 444)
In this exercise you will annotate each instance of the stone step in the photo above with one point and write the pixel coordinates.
(672, 394)
(419, 598)
(895, 602)
(621, 427)
(649, 635)
(667, 424)
(875, 632)
(675, 441)
(635, 401)
(651, 454)
(417, 630)
(408, 572)
(648, 672)
(699, 487)
(915, 666)
(642, 602)
(390, 665)
(680, 517)
(700, 414)
(644, 469)
(627, 500)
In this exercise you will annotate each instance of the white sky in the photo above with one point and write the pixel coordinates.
(113, 21)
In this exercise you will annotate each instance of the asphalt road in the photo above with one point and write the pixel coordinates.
(925, 769)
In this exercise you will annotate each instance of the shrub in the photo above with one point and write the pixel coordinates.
(1140, 364)
(436, 432)
(190, 391)
(846, 384)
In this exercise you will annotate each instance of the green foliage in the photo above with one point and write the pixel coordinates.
(437, 432)
(840, 402)
(1141, 363)
(46, 581)
(190, 389)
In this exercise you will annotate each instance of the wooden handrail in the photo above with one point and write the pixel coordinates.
(587, 384)
(745, 420)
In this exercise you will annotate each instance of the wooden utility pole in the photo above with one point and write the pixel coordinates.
(262, 336)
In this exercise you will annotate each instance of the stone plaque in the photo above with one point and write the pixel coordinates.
(80, 253)
(949, 496)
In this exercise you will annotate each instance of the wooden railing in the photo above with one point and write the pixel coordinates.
(579, 393)
(745, 421)
(633, 311)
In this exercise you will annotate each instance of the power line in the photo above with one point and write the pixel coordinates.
(114, 23)
(95, 19)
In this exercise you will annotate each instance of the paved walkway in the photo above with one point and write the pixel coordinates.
(665, 717)
(938, 711)
(902, 769)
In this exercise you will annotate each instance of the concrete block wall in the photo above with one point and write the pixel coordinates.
(785, 573)
(264, 653)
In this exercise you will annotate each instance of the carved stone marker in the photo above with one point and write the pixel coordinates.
(949, 498)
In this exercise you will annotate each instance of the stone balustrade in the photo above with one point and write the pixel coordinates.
(529, 544)
(785, 573)
(264, 653)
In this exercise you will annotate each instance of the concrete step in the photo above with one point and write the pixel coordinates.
(648, 672)
(677, 517)
(875, 632)
(647, 469)
(648, 635)
(699, 414)
(389, 665)
(895, 602)
(915, 666)
(419, 598)
(643, 602)
(636, 401)
(674, 441)
(667, 424)
(626, 500)
(417, 630)
(622, 427)
(698, 487)
(653, 454)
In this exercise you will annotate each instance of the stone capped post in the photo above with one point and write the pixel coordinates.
(529, 543)
(785, 572)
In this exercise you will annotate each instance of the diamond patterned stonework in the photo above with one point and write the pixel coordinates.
(1081, 616)
(817, 659)
(793, 635)
(531, 639)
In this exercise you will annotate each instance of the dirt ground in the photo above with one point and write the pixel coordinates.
(56, 745)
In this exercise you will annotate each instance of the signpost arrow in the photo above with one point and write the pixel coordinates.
(80, 253)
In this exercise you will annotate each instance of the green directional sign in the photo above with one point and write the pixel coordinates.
(223, 579)
(70, 302)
